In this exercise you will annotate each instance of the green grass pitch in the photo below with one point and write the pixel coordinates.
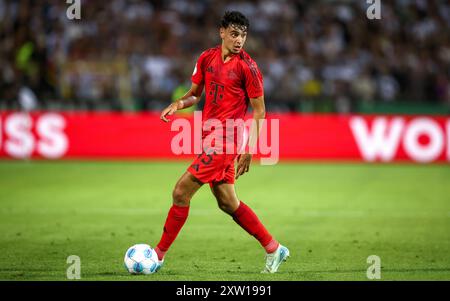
(331, 216)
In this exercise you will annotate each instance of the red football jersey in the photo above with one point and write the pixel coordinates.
(228, 86)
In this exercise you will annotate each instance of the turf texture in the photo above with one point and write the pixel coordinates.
(332, 217)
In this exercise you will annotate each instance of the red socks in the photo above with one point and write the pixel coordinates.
(247, 219)
(174, 222)
(243, 216)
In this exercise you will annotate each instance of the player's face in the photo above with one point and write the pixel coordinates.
(233, 37)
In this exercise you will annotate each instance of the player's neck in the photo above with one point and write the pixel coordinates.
(226, 54)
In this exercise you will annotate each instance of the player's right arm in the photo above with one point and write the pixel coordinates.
(189, 99)
(193, 95)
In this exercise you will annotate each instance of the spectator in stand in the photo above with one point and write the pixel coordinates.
(131, 54)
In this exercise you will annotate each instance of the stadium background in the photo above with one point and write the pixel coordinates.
(344, 88)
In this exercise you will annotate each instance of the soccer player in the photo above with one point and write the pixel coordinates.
(231, 80)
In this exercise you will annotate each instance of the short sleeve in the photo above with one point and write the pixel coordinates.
(253, 80)
(197, 75)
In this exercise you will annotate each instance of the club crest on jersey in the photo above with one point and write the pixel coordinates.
(232, 75)
(210, 69)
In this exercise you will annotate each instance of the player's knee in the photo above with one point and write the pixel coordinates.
(180, 197)
(226, 207)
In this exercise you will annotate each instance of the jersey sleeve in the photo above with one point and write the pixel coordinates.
(253, 80)
(198, 74)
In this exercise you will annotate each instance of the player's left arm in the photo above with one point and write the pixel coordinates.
(259, 115)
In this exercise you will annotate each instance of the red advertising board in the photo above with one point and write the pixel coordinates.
(372, 138)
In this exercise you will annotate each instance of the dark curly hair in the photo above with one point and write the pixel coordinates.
(235, 18)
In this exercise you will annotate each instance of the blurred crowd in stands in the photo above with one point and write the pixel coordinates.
(140, 54)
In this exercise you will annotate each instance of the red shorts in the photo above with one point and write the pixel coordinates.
(213, 168)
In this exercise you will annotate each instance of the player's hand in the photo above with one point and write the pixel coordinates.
(243, 166)
(172, 108)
